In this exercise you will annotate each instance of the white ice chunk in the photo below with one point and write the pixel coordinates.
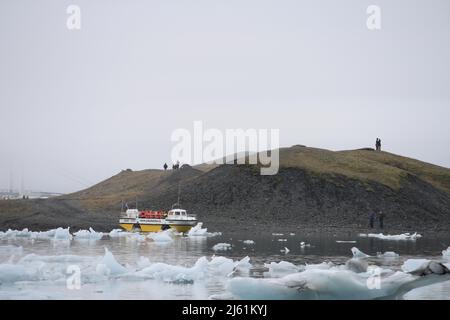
(318, 284)
(404, 236)
(90, 234)
(281, 268)
(62, 234)
(285, 250)
(198, 231)
(118, 233)
(248, 242)
(176, 274)
(221, 247)
(388, 255)
(415, 266)
(10, 273)
(108, 265)
(358, 254)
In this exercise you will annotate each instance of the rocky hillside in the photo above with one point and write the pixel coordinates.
(314, 188)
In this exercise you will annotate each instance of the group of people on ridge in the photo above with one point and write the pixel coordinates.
(175, 166)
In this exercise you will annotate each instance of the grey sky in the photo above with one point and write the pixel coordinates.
(79, 106)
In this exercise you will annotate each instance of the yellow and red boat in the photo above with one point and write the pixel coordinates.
(154, 221)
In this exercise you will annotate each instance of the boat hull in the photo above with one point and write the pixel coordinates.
(127, 226)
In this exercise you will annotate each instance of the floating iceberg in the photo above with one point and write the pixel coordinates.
(10, 273)
(333, 283)
(175, 274)
(358, 254)
(62, 234)
(388, 255)
(198, 231)
(118, 233)
(248, 242)
(108, 265)
(222, 247)
(227, 267)
(345, 241)
(90, 234)
(285, 250)
(282, 240)
(422, 267)
(304, 245)
(404, 236)
(281, 268)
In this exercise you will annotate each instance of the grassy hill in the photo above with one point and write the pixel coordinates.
(314, 187)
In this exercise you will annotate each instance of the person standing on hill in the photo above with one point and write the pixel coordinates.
(165, 166)
(379, 144)
(381, 219)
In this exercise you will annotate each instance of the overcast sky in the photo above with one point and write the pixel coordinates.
(78, 106)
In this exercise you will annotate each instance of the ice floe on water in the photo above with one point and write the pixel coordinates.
(198, 231)
(333, 283)
(424, 267)
(222, 247)
(404, 236)
(118, 233)
(53, 234)
(304, 245)
(388, 255)
(285, 250)
(282, 268)
(248, 242)
(90, 234)
(358, 254)
(345, 241)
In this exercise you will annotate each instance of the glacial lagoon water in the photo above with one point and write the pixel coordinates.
(170, 266)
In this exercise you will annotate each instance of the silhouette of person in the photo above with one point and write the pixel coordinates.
(381, 219)
(371, 219)
(165, 166)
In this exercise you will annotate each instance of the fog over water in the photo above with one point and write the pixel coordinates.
(79, 106)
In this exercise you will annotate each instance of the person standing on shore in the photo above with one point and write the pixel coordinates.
(379, 144)
(371, 219)
(165, 166)
(381, 219)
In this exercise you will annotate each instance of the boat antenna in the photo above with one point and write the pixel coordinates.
(136, 203)
(178, 200)
(121, 210)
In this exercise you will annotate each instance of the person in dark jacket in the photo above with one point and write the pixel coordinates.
(165, 166)
(371, 220)
(381, 219)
